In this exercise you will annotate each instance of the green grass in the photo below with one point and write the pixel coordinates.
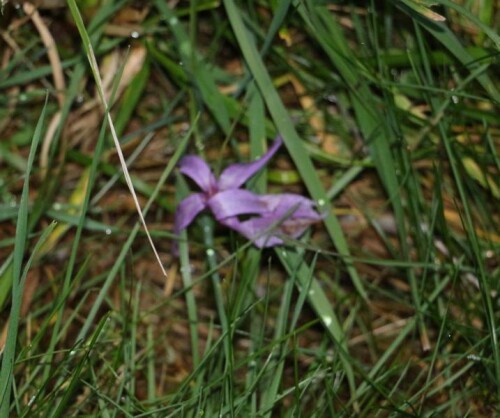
(389, 117)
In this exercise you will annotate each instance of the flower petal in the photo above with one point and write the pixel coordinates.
(256, 230)
(294, 205)
(235, 202)
(287, 215)
(237, 174)
(199, 171)
(188, 209)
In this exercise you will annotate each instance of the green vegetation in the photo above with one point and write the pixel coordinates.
(389, 116)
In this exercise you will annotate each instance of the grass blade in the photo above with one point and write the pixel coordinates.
(292, 140)
(7, 368)
(97, 77)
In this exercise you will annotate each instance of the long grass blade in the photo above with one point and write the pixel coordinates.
(97, 77)
(7, 368)
(292, 140)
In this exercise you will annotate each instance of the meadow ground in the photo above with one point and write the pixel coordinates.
(389, 114)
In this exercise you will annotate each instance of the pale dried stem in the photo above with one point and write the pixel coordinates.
(53, 55)
(58, 76)
(128, 180)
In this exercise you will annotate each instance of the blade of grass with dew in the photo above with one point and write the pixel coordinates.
(84, 199)
(414, 204)
(49, 186)
(8, 352)
(227, 330)
(434, 358)
(150, 367)
(247, 307)
(326, 30)
(296, 266)
(133, 233)
(130, 352)
(292, 141)
(410, 325)
(125, 344)
(371, 122)
(276, 364)
(250, 265)
(440, 110)
(70, 220)
(104, 412)
(55, 307)
(261, 378)
(179, 76)
(211, 349)
(329, 36)
(76, 374)
(279, 13)
(97, 77)
(177, 73)
(198, 70)
(187, 280)
(448, 39)
(393, 347)
(483, 279)
(303, 289)
(34, 74)
(8, 357)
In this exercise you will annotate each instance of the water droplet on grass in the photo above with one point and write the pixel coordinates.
(327, 320)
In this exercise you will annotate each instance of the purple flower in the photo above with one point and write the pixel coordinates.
(269, 218)
(286, 215)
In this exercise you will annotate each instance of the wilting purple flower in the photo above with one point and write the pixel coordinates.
(271, 216)
(287, 215)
